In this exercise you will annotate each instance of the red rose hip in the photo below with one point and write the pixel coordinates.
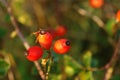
(60, 30)
(45, 39)
(61, 46)
(118, 16)
(96, 3)
(34, 53)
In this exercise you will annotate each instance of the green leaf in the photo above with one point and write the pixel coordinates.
(86, 75)
(55, 76)
(4, 67)
(71, 62)
(116, 77)
(2, 32)
(71, 66)
(118, 32)
(69, 70)
(86, 59)
(56, 56)
(7, 18)
(21, 14)
(34, 71)
(109, 26)
(94, 62)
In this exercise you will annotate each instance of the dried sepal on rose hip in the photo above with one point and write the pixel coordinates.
(96, 3)
(44, 38)
(61, 46)
(34, 53)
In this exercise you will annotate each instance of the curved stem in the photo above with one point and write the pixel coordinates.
(49, 67)
(10, 75)
(112, 62)
(41, 73)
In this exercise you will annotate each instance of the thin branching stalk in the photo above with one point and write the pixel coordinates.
(95, 18)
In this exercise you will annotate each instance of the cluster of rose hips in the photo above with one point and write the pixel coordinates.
(45, 39)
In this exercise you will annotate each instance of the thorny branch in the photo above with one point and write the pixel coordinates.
(25, 43)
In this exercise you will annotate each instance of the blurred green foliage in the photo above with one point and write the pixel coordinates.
(92, 45)
(4, 67)
(2, 32)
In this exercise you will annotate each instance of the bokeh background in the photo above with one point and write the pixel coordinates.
(93, 33)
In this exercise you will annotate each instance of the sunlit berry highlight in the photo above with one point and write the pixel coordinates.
(45, 39)
(61, 46)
